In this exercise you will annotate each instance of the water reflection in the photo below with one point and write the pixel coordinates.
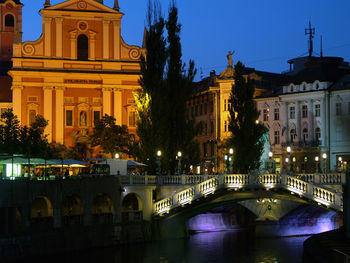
(229, 246)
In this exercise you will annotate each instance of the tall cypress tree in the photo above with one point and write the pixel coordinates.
(162, 122)
(246, 138)
(150, 99)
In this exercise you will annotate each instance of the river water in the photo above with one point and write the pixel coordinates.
(239, 246)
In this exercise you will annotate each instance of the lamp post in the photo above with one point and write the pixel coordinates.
(324, 156)
(230, 159)
(270, 167)
(317, 159)
(179, 154)
(289, 149)
(226, 160)
(340, 162)
(159, 154)
(117, 156)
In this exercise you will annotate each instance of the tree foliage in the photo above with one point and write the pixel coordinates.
(111, 137)
(166, 85)
(246, 138)
(29, 141)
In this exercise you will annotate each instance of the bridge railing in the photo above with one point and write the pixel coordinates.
(326, 178)
(293, 184)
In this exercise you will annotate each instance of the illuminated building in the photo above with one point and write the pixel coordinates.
(77, 71)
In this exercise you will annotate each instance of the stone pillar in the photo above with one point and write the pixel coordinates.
(107, 100)
(73, 44)
(106, 39)
(17, 101)
(59, 115)
(92, 45)
(59, 48)
(310, 120)
(57, 219)
(47, 36)
(118, 106)
(48, 111)
(116, 35)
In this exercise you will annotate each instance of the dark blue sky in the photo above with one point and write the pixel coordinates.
(263, 33)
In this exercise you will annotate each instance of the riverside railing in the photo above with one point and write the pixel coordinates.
(304, 189)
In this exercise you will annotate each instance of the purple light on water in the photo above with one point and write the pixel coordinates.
(207, 223)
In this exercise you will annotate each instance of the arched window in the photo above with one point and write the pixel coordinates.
(292, 135)
(83, 47)
(305, 134)
(9, 20)
(317, 134)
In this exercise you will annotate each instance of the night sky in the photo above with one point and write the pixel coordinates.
(264, 34)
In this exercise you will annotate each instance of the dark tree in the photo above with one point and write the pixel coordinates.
(163, 123)
(246, 138)
(111, 137)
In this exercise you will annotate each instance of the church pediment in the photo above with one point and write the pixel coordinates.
(82, 5)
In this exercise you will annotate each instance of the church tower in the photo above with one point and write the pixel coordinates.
(10, 27)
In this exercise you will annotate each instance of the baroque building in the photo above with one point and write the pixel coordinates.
(311, 115)
(78, 70)
(209, 105)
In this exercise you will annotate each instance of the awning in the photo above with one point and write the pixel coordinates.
(133, 163)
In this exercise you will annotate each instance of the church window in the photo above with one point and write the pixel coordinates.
(276, 137)
(266, 115)
(292, 112)
(292, 135)
(277, 114)
(96, 116)
(317, 110)
(304, 111)
(132, 118)
(69, 118)
(9, 20)
(305, 134)
(32, 115)
(83, 47)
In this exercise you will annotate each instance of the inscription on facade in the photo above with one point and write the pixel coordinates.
(83, 81)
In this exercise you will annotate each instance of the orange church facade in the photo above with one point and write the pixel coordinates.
(77, 71)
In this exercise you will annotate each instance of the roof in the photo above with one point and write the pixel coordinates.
(16, 2)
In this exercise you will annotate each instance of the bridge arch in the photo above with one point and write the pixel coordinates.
(72, 210)
(102, 209)
(132, 207)
(41, 207)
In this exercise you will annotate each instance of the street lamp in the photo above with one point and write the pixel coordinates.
(179, 154)
(270, 167)
(289, 149)
(317, 159)
(117, 156)
(340, 161)
(324, 156)
(226, 160)
(230, 159)
(159, 154)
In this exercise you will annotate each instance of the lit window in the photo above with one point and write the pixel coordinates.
(69, 118)
(277, 137)
(304, 111)
(317, 110)
(338, 108)
(292, 112)
(292, 135)
(305, 134)
(266, 115)
(96, 116)
(32, 115)
(277, 114)
(132, 119)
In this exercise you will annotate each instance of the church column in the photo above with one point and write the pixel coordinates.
(59, 115)
(59, 21)
(116, 35)
(118, 105)
(17, 101)
(48, 111)
(92, 45)
(107, 101)
(106, 39)
(73, 44)
(47, 32)
(310, 120)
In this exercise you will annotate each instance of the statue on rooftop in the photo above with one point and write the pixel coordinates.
(229, 58)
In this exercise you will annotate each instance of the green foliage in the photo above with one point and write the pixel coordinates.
(111, 137)
(247, 135)
(15, 139)
(166, 86)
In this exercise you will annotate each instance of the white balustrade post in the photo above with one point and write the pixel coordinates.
(317, 178)
(251, 179)
(183, 179)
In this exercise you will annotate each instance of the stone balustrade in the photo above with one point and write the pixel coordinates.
(296, 185)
